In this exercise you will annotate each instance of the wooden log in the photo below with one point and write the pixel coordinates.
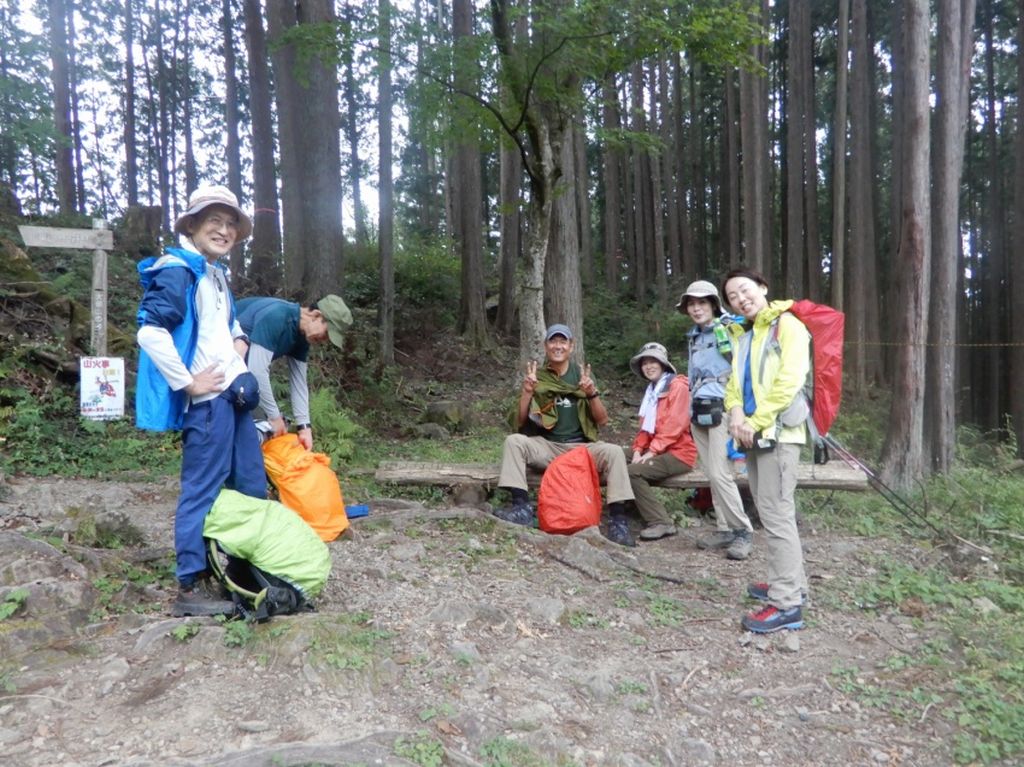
(834, 475)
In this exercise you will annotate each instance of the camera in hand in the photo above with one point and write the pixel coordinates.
(761, 442)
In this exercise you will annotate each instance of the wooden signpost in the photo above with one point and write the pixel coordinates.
(99, 240)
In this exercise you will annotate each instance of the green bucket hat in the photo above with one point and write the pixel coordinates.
(338, 316)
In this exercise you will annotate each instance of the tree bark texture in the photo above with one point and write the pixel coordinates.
(611, 165)
(265, 265)
(1017, 258)
(510, 205)
(131, 169)
(386, 305)
(232, 149)
(466, 197)
(307, 92)
(903, 454)
(953, 62)
(64, 162)
(838, 260)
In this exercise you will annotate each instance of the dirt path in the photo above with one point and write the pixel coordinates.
(443, 637)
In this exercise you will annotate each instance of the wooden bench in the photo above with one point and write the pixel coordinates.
(834, 475)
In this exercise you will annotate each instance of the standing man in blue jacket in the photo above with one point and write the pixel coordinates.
(192, 376)
(277, 328)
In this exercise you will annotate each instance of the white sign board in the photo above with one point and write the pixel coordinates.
(64, 237)
(102, 395)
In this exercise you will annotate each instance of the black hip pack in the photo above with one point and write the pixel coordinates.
(707, 411)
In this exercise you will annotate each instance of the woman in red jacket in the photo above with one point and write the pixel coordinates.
(663, 447)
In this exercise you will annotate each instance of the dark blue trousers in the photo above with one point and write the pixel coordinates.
(220, 448)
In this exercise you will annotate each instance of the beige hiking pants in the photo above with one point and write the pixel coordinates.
(521, 451)
(714, 459)
(772, 475)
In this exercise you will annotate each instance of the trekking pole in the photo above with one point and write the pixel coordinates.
(897, 501)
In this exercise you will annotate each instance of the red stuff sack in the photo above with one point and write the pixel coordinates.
(570, 494)
(824, 388)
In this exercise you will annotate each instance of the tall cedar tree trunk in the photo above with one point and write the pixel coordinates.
(641, 180)
(797, 64)
(545, 130)
(467, 194)
(687, 264)
(310, 155)
(386, 220)
(754, 143)
(583, 210)
(862, 218)
(161, 130)
(563, 291)
(669, 160)
(994, 272)
(838, 260)
(953, 61)
(355, 163)
(903, 454)
(657, 206)
(232, 149)
(131, 168)
(730, 185)
(265, 265)
(191, 172)
(66, 195)
(694, 157)
(511, 234)
(610, 167)
(511, 196)
(76, 122)
(812, 229)
(1017, 257)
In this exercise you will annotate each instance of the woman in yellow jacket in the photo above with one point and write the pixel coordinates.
(767, 414)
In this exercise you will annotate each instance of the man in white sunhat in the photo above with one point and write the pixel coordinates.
(192, 377)
(277, 328)
(560, 408)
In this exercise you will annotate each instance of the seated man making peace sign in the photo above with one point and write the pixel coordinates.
(559, 409)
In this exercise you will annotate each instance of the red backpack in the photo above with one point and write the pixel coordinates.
(570, 494)
(824, 387)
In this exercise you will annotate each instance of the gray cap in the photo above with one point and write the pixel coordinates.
(557, 330)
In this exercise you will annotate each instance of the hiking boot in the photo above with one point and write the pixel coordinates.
(618, 532)
(660, 530)
(518, 514)
(720, 539)
(741, 544)
(771, 618)
(204, 597)
(759, 591)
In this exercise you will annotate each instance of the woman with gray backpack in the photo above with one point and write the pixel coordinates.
(710, 366)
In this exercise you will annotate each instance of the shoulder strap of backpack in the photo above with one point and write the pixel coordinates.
(248, 603)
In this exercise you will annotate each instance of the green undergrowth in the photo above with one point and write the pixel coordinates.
(968, 666)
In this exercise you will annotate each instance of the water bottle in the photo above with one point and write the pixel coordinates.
(722, 340)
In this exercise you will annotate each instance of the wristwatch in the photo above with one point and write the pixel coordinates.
(302, 426)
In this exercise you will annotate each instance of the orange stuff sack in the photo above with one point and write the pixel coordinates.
(570, 494)
(306, 485)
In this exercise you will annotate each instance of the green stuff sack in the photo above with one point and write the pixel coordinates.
(282, 552)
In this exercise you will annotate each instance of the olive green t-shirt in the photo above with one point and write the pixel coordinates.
(567, 428)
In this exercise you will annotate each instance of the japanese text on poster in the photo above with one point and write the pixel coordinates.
(102, 396)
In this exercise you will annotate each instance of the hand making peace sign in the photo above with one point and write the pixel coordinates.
(530, 380)
(587, 383)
